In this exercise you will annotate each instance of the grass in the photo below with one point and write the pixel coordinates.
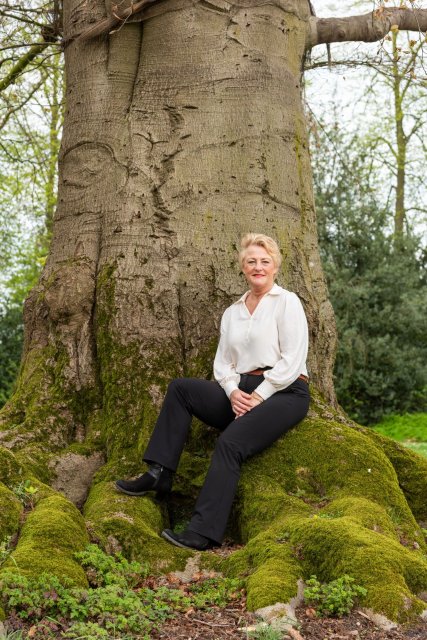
(410, 429)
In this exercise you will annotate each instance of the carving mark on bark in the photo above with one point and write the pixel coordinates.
(165, 169)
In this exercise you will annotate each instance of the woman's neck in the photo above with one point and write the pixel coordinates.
(257, 294)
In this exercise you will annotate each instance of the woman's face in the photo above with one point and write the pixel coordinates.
(259, 268)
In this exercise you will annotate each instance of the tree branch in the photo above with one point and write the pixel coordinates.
(22, 63)
(368, 27)
(49, 33)
(117, 18)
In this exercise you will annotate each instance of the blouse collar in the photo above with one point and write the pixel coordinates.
(274, 291)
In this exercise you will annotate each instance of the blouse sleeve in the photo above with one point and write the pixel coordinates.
(224, 368)
(293, 345)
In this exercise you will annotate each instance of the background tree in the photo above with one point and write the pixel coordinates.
(178, 137)
(390, 116)
(378, 293)
(30, 125)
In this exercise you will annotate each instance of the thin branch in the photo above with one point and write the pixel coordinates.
(414, 129)
(20, 18)
(387, 143)
(22, 63)
(19, 106)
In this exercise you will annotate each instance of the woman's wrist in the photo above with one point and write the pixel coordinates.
(256, 396)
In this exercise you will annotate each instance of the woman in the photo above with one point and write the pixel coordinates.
(261, 391)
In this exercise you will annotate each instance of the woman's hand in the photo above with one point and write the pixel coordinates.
(242, 402)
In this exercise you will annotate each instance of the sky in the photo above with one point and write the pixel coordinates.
(344, 91)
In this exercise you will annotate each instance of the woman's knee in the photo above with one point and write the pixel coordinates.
(229, 448)
(178, 384)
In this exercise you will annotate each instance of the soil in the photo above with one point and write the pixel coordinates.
(234, 622)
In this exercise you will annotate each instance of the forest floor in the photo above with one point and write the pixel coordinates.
(234, 622)
(228, 621)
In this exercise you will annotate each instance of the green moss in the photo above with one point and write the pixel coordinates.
(276, 569)
(391, 573)
(2, 614)
(262, 501)
(11, 470)
(132, 385)
(411, 470)
(85, 449)
(34, 458)
(52, 533)
(131, 525)
(10, 512)
(191, 473)
(271, 568)
(362, 512)
(326, 500)
(44, 408)
(43, 490)
(274, 580)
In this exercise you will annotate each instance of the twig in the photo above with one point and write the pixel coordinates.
(209, 624)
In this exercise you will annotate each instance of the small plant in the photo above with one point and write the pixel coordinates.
(330, 515)
(265, 632)
(102, 569)
(334, 599)
(116, 605)
(12, 635)
(5, 550)
(25, 492)
(214, 592)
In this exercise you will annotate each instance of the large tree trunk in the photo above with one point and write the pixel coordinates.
(179, 136)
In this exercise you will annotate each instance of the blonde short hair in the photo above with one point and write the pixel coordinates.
(260, 240)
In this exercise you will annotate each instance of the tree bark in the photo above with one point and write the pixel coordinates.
(179, 136)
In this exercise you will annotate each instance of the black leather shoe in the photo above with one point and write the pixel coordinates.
(157, 478)
(188, 540)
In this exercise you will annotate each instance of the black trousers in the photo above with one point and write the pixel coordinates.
(240, 438)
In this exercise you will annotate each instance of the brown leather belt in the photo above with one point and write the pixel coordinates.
(256, 372)
(259, 372)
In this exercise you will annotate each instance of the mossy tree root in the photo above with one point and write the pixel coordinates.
(10, 513)
(131, 525)
(326, 500)
(51, 534)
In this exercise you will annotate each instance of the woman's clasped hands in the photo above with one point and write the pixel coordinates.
(242, 402)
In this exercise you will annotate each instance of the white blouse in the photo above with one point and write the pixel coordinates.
(275, 335)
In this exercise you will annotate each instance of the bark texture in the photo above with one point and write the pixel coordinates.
(180, 135)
